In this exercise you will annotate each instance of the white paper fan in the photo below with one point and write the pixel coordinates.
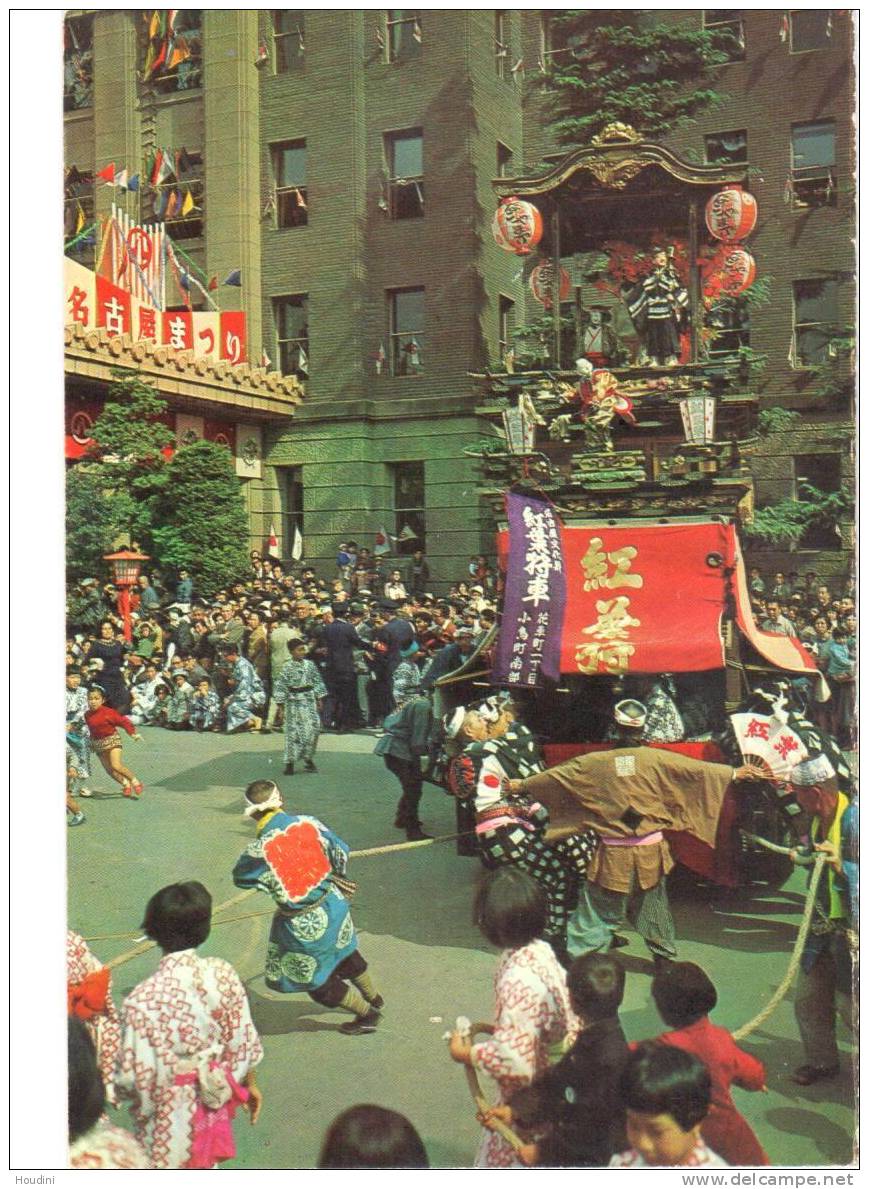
(768, 743)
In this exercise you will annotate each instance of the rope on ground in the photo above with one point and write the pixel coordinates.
(369, 852)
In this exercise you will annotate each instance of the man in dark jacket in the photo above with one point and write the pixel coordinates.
(396, 633)
(405, 740)
(339, 638)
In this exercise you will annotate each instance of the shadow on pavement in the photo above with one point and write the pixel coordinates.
(833, 1141)
(279, 1017)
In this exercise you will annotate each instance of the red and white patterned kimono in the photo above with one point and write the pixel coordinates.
(106, 1146)
(532, 1014)
(93, 1004)
(190, 1009)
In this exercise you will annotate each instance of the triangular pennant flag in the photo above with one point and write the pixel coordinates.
(273, 548)
(381, 543)
(160, 204)
(180, 53)
(121, 179)
(407, 534)
(212, 283)
(172, 204)
(298, 547)
(234, 278)
(417, 32)
(107, 174)
(303, 361)
(79, 218)
(784, 28)
(266, 361)
(300, 200)
(133, 183)
(155, 25)
(187, 205)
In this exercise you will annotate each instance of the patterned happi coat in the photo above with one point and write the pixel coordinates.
(190, 1007)
(301, 716)
(78, 735)
(204, 709)
(532, 1014)
(292, 858)
(104, 1027)
(247, 696)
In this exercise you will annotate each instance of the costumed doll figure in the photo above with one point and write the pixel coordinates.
(658, 307)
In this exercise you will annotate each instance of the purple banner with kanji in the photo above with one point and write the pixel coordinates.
(529, 641)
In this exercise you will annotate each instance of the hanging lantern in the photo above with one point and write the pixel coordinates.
(737, 272)
(698, 419)
(731, 214)
(541, 283)
(517, 226)
(518, 430)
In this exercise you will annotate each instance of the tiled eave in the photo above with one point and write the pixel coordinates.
(214, 385)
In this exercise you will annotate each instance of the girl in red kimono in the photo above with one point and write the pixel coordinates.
(103, 723)
(684, 996)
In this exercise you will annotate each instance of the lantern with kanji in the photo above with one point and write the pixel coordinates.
(730, 273)
(517, 226)
(541, 283)
(731, 214)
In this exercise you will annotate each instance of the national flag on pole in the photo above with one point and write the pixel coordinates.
(266, 362)
(233, 278)
(108, 174)
(187, 205)
(381, 543)
(301, 39)
(133, 183)
(378, 36)
(161, 169)
(784, 28)
(162, 201)
(273, 549)
(212, 283)
(417, 32)
(172, 204)
(300, 200)
(298, 545)
(121, 180)
(517, 66)
(407, 534)
(180, 53)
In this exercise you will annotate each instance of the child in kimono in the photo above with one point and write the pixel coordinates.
(178, 708)
(77, 734)
(188, 1044)
(666, 1093)
(300, 690)
(89, 997)
(204, 707)
(533, 1012)
(312, 943)
(684, 996)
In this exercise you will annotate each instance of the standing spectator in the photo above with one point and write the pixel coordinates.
(279, 653)
(258, 651)
(756, 584)
(77, 734)
(396, 633)
(420, 573)
(776, 623)
(780, 588)
(394, 588)
(299, 689)
(404, 742)
(110, 651)
(149, 599)
(184, 588)
(339, 638)
(480, 571)
(188, 1040)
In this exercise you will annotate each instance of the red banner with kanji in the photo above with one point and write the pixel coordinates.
(644, 598)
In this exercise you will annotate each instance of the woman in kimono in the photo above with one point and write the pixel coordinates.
(77, 733)
(248, 693)
(111, 651)
(89, 997)
(299, 689)
(188, 1043)
(312, 943)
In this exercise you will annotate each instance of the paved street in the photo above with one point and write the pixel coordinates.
(413, 914)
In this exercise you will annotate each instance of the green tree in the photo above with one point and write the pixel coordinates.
(199, 519)
(619, 66)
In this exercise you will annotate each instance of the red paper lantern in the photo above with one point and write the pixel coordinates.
(731, 214)
(541, 283)
(736, 272)
(517, 226)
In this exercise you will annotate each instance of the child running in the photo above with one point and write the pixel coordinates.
(666, 1093)
(532, 1006)
(684, 996)
(103, 722)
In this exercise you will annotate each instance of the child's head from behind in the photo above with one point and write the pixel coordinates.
(368, 1136)
(683, 993)
(510, 908)
(596, 983)
(178, 917)
(666, 1093)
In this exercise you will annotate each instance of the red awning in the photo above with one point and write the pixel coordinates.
(785, 652)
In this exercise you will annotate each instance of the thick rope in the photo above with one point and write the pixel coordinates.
(482, 1103)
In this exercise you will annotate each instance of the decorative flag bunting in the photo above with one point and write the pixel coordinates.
(187, 205)
(234, 278)
(108, 174)
(407, 534)
(303, 361)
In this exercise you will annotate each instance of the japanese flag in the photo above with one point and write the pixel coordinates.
(273, 550)
(298, 547)
(381, 543)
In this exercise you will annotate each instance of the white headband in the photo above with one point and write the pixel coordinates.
(274, 801)
(453, 724)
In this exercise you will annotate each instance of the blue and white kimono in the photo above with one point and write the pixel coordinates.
(297, 689)
(204, 710)
(77, 734)
(292, 859)
(247, 697)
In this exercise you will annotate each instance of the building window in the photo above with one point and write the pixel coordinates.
(554, 44)
(288, 35)
(727, 148)
(78, 63)
(404, 173)
(729, 21)
(78, 215)
(818, 472)
(729, 323)
(816, 315)
(506, 325)
(503, 160)
(409, 502)
(291, 332)
(292, 503)
(179, 197)
(813, 163)
(406, 331)
(502, 36)
(289, 170)
(173, 50)
(810, 28)
(403, 34)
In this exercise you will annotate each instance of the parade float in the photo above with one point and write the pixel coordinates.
(616, 477)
